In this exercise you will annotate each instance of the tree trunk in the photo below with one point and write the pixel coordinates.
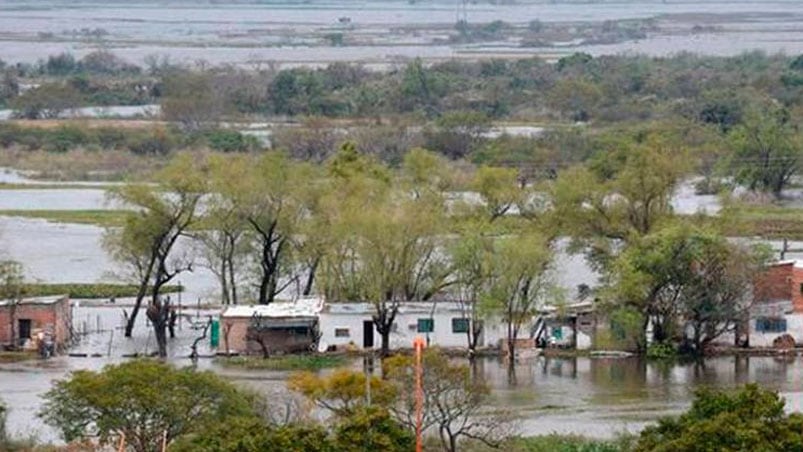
(385, 350)
(311, 277)
(158, 313)
(232, 281)
(129, 327)
(224, 289)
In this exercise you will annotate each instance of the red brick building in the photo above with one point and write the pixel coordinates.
(778, 304)
(23, 322)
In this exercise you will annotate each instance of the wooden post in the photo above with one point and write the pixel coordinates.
(418, 345)
(164, 441)
(121, 448)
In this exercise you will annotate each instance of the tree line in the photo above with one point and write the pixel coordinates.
(354, 229)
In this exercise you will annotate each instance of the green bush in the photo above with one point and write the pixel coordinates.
(752, 419)
(229, 141)
(566, 443)
(65, 138)
(368, 429)
(661, 351)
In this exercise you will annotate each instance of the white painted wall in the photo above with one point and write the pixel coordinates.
(405, 329)
(794, 327)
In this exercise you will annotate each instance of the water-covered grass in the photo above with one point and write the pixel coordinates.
(104, 218)
(288, 362)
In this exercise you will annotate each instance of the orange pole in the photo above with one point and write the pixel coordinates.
(418, 345)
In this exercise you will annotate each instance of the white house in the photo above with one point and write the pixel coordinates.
(441, 323)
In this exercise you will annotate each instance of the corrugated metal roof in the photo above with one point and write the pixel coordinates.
(303, 307)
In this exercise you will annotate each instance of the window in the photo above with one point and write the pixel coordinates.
(342, 332)
(426, 325)
(771, 325)
(459, 325)
(557, 333)
(801, 288)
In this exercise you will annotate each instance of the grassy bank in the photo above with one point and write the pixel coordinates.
(88, 290)
(103, 218)
(770, 221)
(15, 357)
(289, 362)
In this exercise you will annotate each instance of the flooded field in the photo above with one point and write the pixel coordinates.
(377, 33)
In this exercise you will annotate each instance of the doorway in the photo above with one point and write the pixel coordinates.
(368, 334)
(24, 328)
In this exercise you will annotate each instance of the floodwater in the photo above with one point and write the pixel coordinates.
(596, 397)
(380, 33)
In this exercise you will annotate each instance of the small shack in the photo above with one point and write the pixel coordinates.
(30, 323)
(277, 328)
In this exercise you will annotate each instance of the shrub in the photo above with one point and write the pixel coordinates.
(749, 419)
(144, 400)
(230, 141)
(65, 138)
(661, 350)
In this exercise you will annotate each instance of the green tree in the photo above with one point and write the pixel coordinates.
(454, 402)
(142, 401)
(766, 151)
(192, 100)
(11, 290)
(520, 283)
(603, 210)
(145, 244)
(471, 256)
(343, 391)
(384, 242)
(457, 133)
(371, 428)
(252, 434)
(46, 101)
(223, 233)
(687, 275)
(749, 419)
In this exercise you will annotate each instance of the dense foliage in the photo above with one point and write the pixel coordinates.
(750, 419)
(144, 402)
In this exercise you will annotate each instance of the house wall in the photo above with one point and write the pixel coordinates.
(234, 338)
(55, 317)
(405, 330)
(233, 333)
(794, 327)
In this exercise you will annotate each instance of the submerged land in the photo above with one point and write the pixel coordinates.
(389, 152)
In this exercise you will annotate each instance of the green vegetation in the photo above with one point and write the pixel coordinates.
(750, 419)
(88, 291)
(13, 357)
(562, 443)
(140, 140)
(290, 362)
(104, 218)
(146, 401)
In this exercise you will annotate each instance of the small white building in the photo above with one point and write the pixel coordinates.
(441, 323)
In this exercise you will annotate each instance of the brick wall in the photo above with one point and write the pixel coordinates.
(774, 283)
(56, 317)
